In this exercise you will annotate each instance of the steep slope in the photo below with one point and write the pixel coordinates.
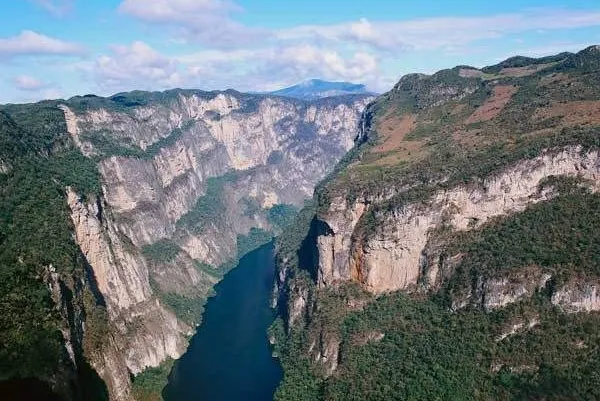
(454, 253)
(178, 184)
(46, 291)
(316, 89)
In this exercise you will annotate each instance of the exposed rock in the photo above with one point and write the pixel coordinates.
(517, 328)
(578, 296)
(327, 352)
(390, 260)
(369, 337)
(4, 167)
(146, 332)
(497, 292)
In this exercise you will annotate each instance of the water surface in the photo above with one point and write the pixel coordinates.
(229, 358)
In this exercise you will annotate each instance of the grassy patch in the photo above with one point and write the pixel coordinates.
(281, 215)
(163, 251)
(148, 385)
(209, 207)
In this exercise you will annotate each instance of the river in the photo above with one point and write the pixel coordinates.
(229, 358)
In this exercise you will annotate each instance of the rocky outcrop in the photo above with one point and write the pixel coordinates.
(391, 258)
(477, 217)
(156, 159)
(145, 332)
(492, 293)
(283, 146)
(578, 296)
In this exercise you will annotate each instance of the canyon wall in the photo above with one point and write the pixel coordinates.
(196, 171)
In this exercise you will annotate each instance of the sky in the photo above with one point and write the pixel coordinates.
(62, 48)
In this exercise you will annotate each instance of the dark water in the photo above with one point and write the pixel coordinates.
(229, 358)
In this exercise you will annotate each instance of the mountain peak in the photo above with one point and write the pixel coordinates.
(317, 88)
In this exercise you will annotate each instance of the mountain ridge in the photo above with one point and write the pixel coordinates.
(462, 215)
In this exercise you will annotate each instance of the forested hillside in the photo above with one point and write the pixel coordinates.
(44, 282)
(454, 254)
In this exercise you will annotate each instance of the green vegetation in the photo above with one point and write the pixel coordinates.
(209, 207)
(428, 353)
(163, 251)
(414, 346)
(208, 269)
(281, 215)
(560, 236)
(148, 385)
(452, 152)
(188, 309)
(255, 238)
(108, 145)
(36, 233)
(418, 357)
(290, 241)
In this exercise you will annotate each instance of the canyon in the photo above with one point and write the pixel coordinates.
(189, 181)
(458, 208)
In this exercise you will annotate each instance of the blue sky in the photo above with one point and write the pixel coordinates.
(60, 48)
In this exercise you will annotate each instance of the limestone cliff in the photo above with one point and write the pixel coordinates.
(392, 258)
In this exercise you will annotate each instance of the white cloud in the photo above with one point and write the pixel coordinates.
(31, 89)
(28, 83)
(136, 66)
(299, 62)
(57, 8)
(141, 67)
(182, 11)
(33, 43)
(249, 58)
(203, 21)
(440, 32)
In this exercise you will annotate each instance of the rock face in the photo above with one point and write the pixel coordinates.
(391, 259)
(578, 297)
(145, 332)
(157, 158)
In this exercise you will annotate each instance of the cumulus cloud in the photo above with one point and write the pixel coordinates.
(140, 66)
(299, 62)
(271, 67)
(28, 83)
(207, 22)
(233, 55)
(33, 43)
(31, 89)
(56, 8)
(136, 66)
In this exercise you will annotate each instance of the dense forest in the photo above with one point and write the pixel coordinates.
(39, 162)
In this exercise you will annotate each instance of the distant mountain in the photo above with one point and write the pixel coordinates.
(317, 88)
